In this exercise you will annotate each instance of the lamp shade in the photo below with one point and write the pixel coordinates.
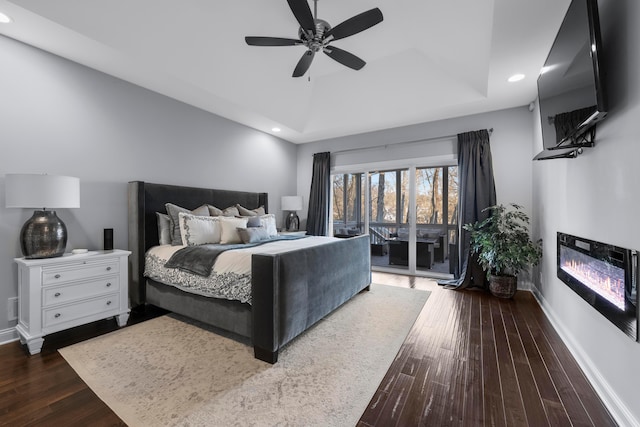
(291, 203)
(41, 191)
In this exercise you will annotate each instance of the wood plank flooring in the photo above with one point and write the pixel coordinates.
(475, 360)
(470, 360)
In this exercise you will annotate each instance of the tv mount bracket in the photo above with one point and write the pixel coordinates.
(585, 139)
(580, 140)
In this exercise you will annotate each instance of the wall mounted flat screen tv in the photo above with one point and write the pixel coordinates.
(570, 90)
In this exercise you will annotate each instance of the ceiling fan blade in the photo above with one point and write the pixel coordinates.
(344, 57)
(302, 12)
(304, 64)
(355, 24)
(271, 41)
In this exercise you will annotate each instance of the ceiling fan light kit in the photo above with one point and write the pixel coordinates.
(316, 35)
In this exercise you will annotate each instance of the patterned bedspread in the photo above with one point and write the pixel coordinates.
(230, 277)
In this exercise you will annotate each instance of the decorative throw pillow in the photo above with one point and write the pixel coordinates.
(174, 221)
(199, 230)
(231, 211)
(230, 225)
(250, 212)
(213, 211)
(254, 221)
(164, 228)
(253, 234)
(268, 221)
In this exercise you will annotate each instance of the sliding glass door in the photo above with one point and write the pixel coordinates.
(409, 213)
(348, 204)
(436, 218)
(389, 226)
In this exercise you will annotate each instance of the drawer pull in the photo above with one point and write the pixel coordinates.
(57, 276)
(108, 268)
(108, 284)
(57, 315)
(108, 302)
(57, 294)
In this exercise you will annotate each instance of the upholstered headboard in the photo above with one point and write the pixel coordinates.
(145, 199)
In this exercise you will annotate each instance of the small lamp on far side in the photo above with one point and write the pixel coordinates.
(292, 204)
(44, 235)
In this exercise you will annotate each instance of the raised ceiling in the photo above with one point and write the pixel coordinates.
(428, 60)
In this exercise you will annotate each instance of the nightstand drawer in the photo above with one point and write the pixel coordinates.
(58, 274)
(80, 290)
(54, 316)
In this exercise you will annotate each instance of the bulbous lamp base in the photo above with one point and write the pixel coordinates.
(292, 222)
(44, 235)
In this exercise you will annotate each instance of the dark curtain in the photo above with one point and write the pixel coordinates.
(477, 191)
(565, 123)
(318, 216)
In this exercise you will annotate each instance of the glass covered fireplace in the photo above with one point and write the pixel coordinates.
(604, 275)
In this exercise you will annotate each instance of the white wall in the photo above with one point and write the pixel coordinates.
(510, 148)
(58, 117)
(596, 196)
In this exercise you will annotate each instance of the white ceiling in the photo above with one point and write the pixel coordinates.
(428, 59)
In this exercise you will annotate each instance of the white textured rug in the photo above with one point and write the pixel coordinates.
(170, 372)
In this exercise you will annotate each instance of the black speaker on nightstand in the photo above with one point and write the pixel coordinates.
(108, 239)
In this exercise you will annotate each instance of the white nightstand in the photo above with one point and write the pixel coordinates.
(71, 290)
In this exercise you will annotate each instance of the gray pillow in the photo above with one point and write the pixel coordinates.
(213, 211)
(253, 234)
(231, 211)
(254, 221)
(164, 228)
(174, 221)
(250, 212)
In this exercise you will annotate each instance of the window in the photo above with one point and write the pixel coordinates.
(348, 203)
(434, 200)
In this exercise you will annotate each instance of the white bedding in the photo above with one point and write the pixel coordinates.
(231, 274)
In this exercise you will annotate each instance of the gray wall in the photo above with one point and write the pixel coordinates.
(596, 196)
(60, 118)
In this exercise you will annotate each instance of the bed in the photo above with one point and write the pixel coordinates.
(290, 290)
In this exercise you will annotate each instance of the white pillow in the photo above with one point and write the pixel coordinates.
(199, 230)
(268, 221)
(229, 227)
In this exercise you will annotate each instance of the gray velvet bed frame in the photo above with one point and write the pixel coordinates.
(291, 291)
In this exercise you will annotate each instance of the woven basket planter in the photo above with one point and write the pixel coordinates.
(503, 286)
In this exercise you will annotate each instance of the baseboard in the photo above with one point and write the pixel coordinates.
(616, 407)
(8, 335)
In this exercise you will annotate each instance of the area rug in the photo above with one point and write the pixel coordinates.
(172, 372)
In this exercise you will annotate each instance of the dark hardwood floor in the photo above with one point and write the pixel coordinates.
(475, 360)
(470, 360)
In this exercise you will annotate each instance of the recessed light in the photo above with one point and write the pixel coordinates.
(516, 78)
(275, 129)
(4, 19)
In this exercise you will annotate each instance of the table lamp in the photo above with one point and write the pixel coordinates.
(291, 204)
(44, 235)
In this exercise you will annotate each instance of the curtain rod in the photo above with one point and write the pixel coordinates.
(385, 146)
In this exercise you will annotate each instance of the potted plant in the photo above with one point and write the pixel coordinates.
(504, 247)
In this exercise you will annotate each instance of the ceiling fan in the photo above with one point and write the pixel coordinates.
(316, 34)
